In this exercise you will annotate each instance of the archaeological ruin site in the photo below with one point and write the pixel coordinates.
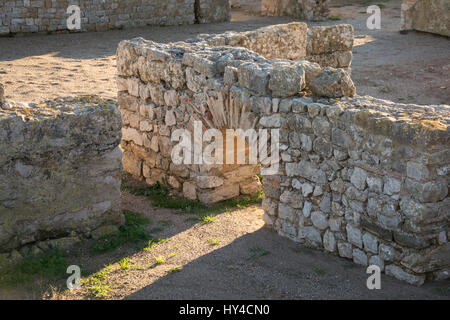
(358, 177)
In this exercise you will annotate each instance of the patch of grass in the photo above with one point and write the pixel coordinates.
(258, 253)
(205, 219)
(319, 271)
(159, 260)
(160, 196)
(96, 285)
(175, 269)
(133, 231)
(152, 243)
(442, 291)
(125, 264)
(335, 18)
(213, 242)
(51, 265)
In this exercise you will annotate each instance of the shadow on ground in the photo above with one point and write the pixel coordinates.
(263, 265)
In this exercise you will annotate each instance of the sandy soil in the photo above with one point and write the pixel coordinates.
(232, 268)
(405, 68)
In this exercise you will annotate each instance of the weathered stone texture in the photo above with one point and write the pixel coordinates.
(329, 46)
(370, 183)
(426, 15)
(60, 170)
(158, 83)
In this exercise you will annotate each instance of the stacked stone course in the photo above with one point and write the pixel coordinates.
(366, 179)
(23, 16)
(159, 83)
(329, 46)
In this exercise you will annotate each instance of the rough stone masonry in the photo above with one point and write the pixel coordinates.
(158, 84)
(362, 178)
(60, 171)
(23, 16)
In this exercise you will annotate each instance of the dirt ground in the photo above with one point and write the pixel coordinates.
(249, 261)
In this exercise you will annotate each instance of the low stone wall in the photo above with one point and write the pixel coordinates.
(210, 11)
(365, 179)
(362, 178)
(312, 10)
(426, 15)
(329, 46)
(159, 85)
(50, 16)
(60, 171)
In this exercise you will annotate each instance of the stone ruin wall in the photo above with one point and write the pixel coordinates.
(365, 179)
(60, 173)
(23, 16)
(426, 15)
(362, 178)
(311, 10)
(158, 83)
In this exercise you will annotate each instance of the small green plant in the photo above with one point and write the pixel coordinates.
(319, 271)
(160, 196)
(159, 260)
(174, 269)
(213, 242)
(125, 264)
(205, 219)
(334, 18)
(95, 284)
(257, 253)
(133, 231)
(442, 291)
(152, 243)
(50, 265)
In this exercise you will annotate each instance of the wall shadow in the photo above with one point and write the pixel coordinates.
(263, 265)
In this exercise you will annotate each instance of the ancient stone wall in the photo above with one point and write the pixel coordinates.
(426, 15)
(312, 10)
(329, 46)
(48, 15)
(60, 171)
(365, 179)
(161, 85)
(361, 178)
